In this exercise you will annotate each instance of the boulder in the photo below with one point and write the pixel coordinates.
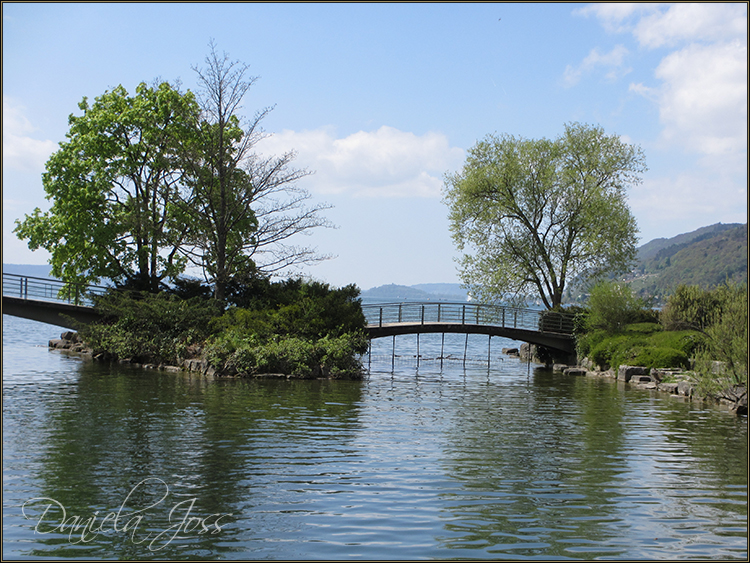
(625, 373)
(575, 371)
(70, 336)
(685, 388)
(668, 388)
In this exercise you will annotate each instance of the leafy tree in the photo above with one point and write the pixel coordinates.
(113, 186)
(720, 315)
(530, 215)
(243, 207)
(612, 306)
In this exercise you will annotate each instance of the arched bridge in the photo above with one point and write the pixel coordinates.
(68, 305)
(49, 301)
(554, 330)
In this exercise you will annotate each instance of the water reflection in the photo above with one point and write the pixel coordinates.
(479, 462)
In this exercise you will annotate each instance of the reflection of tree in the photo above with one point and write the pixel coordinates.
(217, 442)
(533, 458)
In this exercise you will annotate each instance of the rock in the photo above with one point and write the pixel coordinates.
(685, 388)
(575, 371)
(55, 343)
(559, 367)
(625, 373)
(589, 365)
(641, 379)
(70, 336)
(510, 351)
(668, 388)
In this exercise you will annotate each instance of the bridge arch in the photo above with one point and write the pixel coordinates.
(527, 325)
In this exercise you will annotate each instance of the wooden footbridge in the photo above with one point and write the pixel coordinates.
(69, 305)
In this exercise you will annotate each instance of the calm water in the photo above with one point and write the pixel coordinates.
(458, 462)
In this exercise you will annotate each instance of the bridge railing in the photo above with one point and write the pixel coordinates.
(42, 289)
(468, 314)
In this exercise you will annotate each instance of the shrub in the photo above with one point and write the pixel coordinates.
(651, 357)
(612, 306)
(725, 340)
(148, 328)
(689, 307)
(643, 328)
(232, 353)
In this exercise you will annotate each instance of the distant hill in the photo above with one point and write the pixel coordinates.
(706, 257)
(419, 292)
(660, 245)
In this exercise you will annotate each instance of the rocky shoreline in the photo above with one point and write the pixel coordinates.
(70, 342)
(676, 383)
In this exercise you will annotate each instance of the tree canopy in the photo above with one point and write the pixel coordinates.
(531, 215)
(113, 186)
(147, 184)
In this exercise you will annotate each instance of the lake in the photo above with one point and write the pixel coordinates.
(459, 460)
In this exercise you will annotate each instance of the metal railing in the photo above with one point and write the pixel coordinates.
(43, 289)
(468, 314)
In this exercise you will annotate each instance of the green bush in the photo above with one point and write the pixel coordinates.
(233, 353)
(149, 328)
(651, 357)
(585, 342)
(612, 306)
(644, 328)
(304, 329)
(690, 307)
(725, 342)
(657, 349)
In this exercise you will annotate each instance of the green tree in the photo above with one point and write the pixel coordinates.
(530, 215)
(612, 306)
(113, 186)
(243, 207)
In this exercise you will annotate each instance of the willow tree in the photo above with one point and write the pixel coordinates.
(531, 215)
(243, 207)
(113, 185)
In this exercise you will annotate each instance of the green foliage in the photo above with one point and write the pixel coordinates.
(707, 258)
(612, 306)
(535, 214)
(303, 329)
(113, 187)
(725, 342)
(232, 353)
(651, 357)
(149, 328)
(690, 306)
(642, 345)
(644, 328)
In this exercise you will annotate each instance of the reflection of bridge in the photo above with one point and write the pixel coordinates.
(553, 330)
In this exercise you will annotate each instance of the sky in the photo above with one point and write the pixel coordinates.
(381, 101)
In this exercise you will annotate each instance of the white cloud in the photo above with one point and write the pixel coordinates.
(703, 98)
(382, 163)
(702, 82)
(655, 25)
(20, 150)
(686, 202)
(613, 61)
(687, 22)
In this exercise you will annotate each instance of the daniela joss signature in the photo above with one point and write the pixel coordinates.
(182, 523)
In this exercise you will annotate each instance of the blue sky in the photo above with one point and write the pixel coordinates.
(381, 100)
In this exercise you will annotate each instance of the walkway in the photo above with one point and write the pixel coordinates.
(554, 330)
